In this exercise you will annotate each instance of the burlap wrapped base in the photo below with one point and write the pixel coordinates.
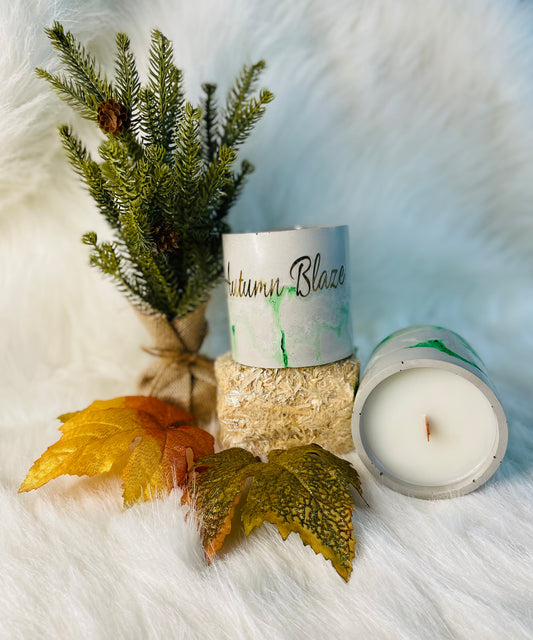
(180, 375)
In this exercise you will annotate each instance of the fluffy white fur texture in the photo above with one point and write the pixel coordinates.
(410, 121)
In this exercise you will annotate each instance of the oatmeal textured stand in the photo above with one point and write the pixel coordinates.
(263, 409)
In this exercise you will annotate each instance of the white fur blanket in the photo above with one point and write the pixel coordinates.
(409, 120)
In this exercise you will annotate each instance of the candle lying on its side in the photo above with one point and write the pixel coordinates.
(426, 420)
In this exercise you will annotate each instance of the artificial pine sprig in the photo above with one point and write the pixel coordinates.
(165, 180)
(86, 87)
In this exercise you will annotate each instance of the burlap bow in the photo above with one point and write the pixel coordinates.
(180, 375)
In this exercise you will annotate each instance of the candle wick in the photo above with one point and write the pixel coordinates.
(427, 427)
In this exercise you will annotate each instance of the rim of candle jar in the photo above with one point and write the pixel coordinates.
(371, 379)
(286, 230)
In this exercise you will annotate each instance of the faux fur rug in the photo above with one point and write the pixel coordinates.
(411, 121)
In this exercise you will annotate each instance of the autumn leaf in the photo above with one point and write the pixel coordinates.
(149, 442)
(304, 489)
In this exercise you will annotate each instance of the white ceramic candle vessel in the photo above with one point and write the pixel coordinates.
(288, 296)
(426, 419)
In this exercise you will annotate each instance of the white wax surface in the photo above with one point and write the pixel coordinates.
(463, 426)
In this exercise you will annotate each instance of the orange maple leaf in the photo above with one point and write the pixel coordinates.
(149, 442)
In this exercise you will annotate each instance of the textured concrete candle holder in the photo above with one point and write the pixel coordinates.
(426, 419)
(289, 296)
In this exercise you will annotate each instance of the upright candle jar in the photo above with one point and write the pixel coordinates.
(426, 419)
(291, 374)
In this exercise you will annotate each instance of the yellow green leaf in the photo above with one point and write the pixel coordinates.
(142, 438)
(305, 490)
(215, 489)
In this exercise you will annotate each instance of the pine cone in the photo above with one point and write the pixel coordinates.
(165, 239)
(113, 117)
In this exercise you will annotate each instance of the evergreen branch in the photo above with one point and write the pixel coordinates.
(136, 235)
(80, 64)
(187, 159)
(91, 174)
(76, 152)
(157, 292)
(242, 112)
(234, 189)
(243, 86)
(216, 180)
(117, 168)
(204, 268)
(130, 270)
(148, 117)
(165, 82)
(102, 255)
(127, 83)
(210, 121)
(134, 148)
(101, 194)
(106, 257)
(239, 126)
(134, 229)
(159, 281)
(195, 294)
(127, 89)
(155, 183)
(72, 93)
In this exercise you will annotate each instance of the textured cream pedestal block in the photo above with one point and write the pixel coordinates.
(263, 409)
